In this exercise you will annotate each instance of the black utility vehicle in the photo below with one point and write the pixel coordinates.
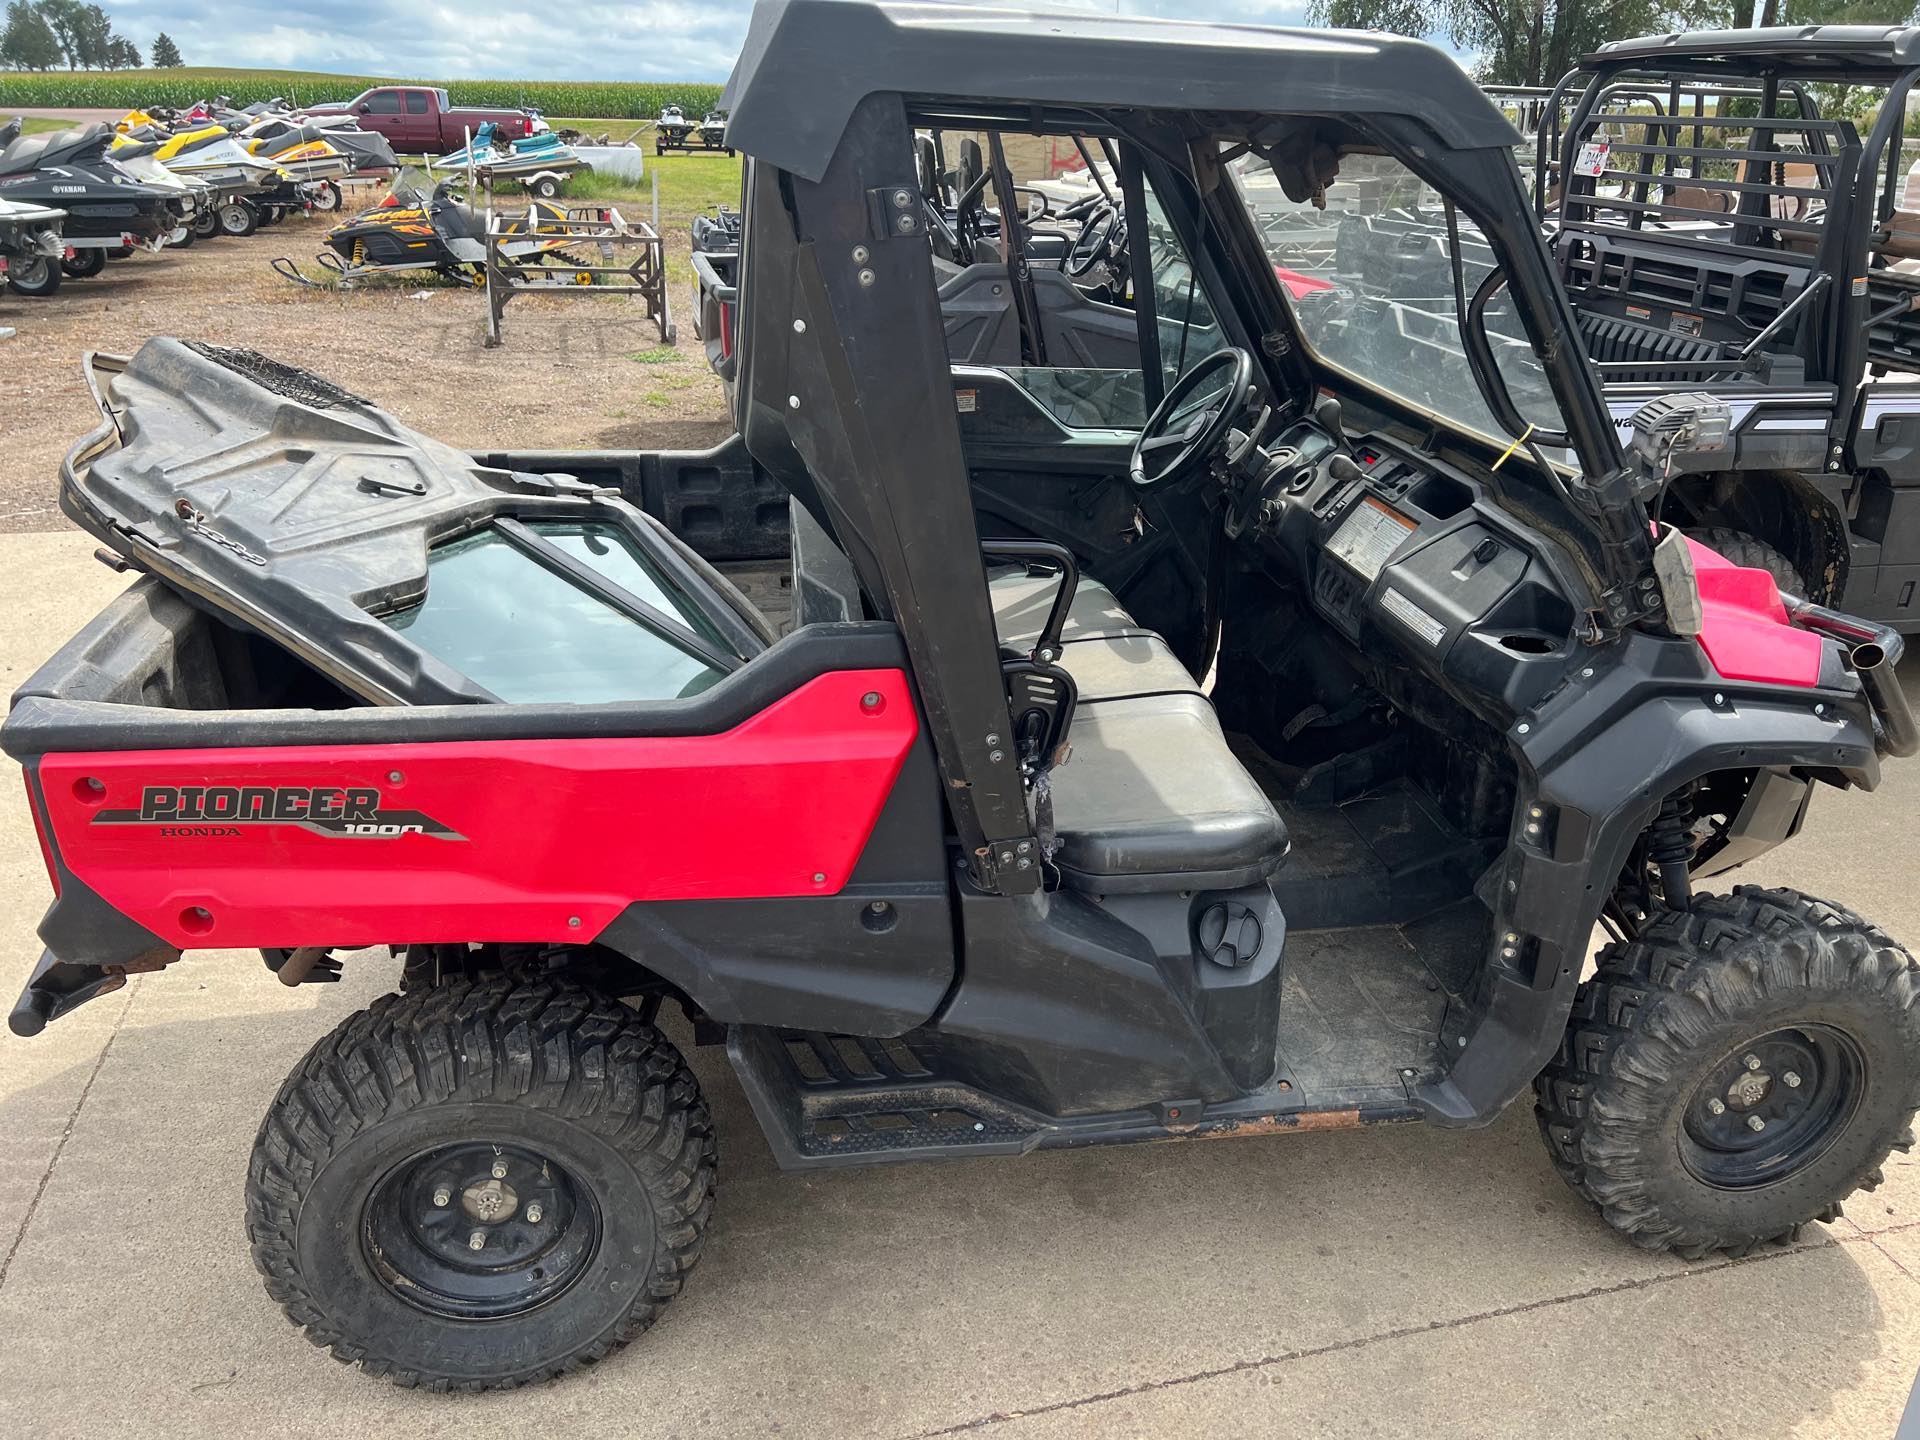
(1721, 223)
(1251, 739)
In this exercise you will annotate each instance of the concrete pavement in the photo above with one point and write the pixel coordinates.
(1405, 1282)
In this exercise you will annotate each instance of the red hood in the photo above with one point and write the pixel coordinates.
(1744, 628)
(1298, 284)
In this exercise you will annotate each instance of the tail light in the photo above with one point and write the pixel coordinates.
(726, 332)
(40, 830)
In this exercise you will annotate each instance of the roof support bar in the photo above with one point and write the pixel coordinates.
(850, 354)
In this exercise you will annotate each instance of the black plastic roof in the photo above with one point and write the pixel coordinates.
(1863, 53)
(807, 64)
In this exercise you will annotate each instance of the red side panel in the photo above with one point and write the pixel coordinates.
(481, 840)
(1745, 630)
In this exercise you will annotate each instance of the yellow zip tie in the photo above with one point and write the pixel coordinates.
(1506, 454)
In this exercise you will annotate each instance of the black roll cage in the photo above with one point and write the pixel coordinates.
(845, 390)
(1833, 320)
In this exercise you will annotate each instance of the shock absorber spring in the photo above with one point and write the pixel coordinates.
(1670, 847)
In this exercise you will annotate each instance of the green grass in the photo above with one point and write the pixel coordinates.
(31, 126)
(619, 130)
(117, 89)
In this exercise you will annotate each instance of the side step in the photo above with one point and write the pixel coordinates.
(850, 1100)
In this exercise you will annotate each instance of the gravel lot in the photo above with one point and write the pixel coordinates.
(566, 376)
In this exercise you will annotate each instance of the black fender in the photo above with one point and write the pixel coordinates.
(1596, 758)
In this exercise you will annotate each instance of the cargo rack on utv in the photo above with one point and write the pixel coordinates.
(1718, 229)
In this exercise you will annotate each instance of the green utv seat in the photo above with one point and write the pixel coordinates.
(1150, 798)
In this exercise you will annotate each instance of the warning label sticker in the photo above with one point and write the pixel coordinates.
(1429, 627)
(1369, 535)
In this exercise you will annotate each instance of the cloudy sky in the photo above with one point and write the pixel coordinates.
(506, 39)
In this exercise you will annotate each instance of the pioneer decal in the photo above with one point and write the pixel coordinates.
(350, 811)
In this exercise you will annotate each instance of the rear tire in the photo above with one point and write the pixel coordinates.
(546, 189)
(207, 226)
(1755, 554)
(362, 1192)
(1671, 1026)
(34, 275)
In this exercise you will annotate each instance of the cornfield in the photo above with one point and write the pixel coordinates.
(127, 89)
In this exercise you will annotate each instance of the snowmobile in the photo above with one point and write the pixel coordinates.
(107, 209)
(673, 131)
(417, 230)
(31, 247)
(540, 162)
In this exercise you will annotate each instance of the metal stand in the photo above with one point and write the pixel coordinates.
(607, 234)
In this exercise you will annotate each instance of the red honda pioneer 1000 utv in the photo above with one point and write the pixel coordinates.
(1144, 678)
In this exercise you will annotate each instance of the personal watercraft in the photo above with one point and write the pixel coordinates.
(713, 130)
(414, 229)
(107, 209)
(140, 159)
(306, 152)
(31, 247)
(672, 131)
(246, 188)
(541, 162)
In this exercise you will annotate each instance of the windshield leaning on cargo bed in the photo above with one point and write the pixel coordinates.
(1370, 281)
(531, 635)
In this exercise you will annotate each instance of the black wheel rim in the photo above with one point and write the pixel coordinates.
(1771, 1107)
(538, 1230)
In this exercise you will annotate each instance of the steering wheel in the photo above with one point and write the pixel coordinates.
(1102, 234)
(1161, 453)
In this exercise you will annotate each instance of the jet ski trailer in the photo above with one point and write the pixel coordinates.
(31, 247)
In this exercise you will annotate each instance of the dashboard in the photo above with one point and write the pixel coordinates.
(1394, 546)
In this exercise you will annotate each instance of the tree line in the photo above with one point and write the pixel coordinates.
(44, 34)
(1535, 42)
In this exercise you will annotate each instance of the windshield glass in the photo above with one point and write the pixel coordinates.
(1370, 281)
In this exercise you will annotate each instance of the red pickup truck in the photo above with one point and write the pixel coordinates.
(418, 120)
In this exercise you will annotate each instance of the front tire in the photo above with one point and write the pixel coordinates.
(452, 1112)
(1648, 1110)
(1755, 554)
